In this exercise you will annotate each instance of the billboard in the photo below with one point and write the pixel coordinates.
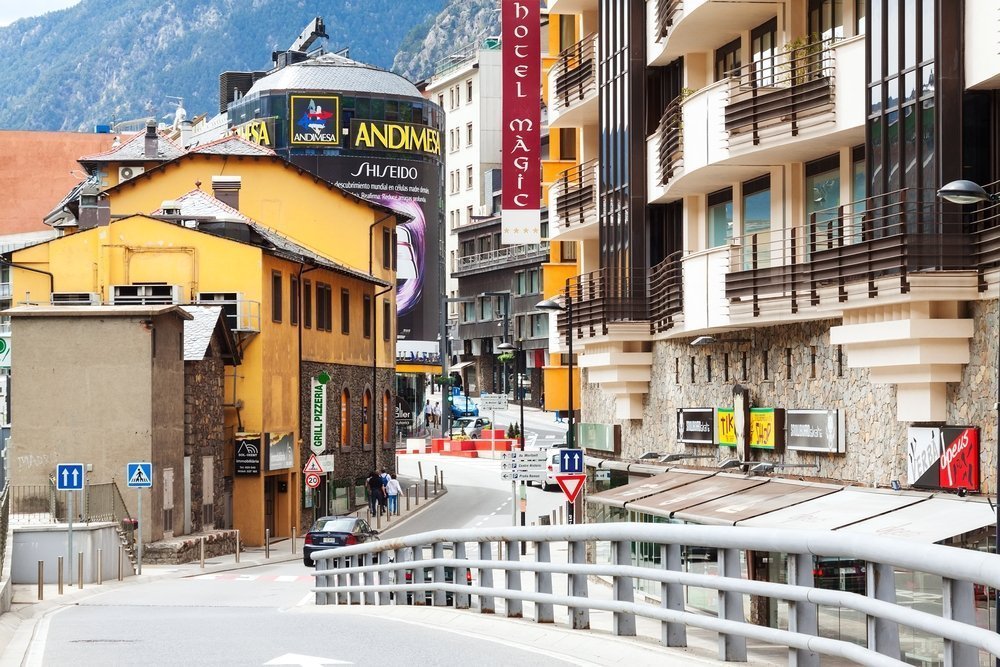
(943, 457)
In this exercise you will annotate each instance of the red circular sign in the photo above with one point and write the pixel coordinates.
(312, 480)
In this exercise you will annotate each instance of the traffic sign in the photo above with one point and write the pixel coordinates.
(139, 475)
(516, 465)
(493, 402)
(571, 460)
(571, 485)
(312, 480)
(69, 477)
(313, 465)
(528, 456)
(523, 475)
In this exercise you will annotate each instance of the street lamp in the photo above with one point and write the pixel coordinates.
(553, 305)
(506, 315)
(967, 192)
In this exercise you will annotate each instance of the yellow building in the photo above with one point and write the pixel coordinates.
(305, 274)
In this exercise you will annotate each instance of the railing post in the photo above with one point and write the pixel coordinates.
(672, 597)
(440, 597)
(369, 578)
(322, 581)
(487, 604)
(342, 580)
(623, 624)
(732, 648)
(382, 558)
(543, 584)
(515, 608)
(883, 635)
(461, 575)
(399, 575)
(579, 617)
(959, 604)
(802, 617)
(354, 597)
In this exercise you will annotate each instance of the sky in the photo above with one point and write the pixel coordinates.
(11, 10)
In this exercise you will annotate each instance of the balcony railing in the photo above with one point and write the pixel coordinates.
(576, 73)
(575, 196)
(671, 133)
(782, 90)
(501, 256)
(888, 236)
(666, 14)
(666, 296)
(605, 297)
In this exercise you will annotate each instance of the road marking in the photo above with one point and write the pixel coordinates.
(263, 578)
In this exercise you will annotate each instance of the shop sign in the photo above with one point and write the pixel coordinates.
(725, 427)
(521, 116)
(258, 131)
(767, 428)
(247, 450)
(314, 119)
(599, 437)
(815, 431)
(280, 453)
(696, 426)
(317, 394)
(945, 457)
(380, 135)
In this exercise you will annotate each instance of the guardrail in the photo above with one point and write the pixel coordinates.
(347, 575)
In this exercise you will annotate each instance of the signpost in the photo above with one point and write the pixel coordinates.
(139, 476)
(521, 467)
(493, 402)
(69, 477)
(571, 463)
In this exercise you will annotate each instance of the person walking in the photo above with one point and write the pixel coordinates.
(437, 413)
(428, 413)
(393, 489)
(375, 493)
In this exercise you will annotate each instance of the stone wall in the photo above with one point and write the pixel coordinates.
(188, 550)
(204, 421)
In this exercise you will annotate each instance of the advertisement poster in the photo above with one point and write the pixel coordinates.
(815, 431)
(696, 426)
(279, 451)
(767, 428)
(314, 120)
(943, 457)
(725, 427)
(317, 395)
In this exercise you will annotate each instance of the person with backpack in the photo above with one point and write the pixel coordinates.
(376, 493)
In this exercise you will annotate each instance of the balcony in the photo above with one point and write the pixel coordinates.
(573, 198)
(573, 86)
(499, 259)
(982, 35)
(666, 294)
(665, 151)
(679, 27)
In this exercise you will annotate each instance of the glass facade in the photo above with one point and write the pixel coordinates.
(720, 218)
(757, 223)
(822, 195)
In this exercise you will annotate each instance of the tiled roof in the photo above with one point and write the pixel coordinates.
(232, 145)
(199, 329)
(284, 246)
(330, 72)
(199, 204)
(135, 150)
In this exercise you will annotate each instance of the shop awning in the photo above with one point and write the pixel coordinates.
(755, 501)
(460, 365)
(932, 520)
(716, 486)
(837, 510)
(649, 486)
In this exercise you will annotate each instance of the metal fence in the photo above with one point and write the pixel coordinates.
(405, 575)
(42, 503)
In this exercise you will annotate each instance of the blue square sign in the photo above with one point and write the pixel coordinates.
(69, 477)
(139, 475)
(571, 461)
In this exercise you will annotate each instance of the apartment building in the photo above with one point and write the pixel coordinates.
(754, 203)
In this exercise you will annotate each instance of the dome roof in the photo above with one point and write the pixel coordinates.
(330, 72)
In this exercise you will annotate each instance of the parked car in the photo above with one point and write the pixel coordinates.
(470, 426)
(462, 406)
(335, 531)
(839, 574)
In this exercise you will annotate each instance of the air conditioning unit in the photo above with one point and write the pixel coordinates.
(75, 299)
(125, 173)
(147, 294)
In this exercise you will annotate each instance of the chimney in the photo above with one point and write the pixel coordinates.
(152, 141)
(94, 211)
(227, 190)
(186, 128)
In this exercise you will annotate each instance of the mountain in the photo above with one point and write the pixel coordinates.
(460, 23)
(106, 60)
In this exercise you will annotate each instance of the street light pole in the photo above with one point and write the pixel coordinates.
(567, 307)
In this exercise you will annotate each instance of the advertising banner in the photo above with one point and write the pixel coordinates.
(280, 455)
(314, 120)
(258, 131)
(944, 457)
(696, 426)
(247, 450)
(815, 431)
(725, 427)
(317, 395)
(767, 428)
(522, 71)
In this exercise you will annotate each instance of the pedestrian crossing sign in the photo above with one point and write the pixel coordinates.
(313, 465)
(139, 475)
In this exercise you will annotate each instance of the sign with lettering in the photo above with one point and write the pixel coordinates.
(314, 120)
(258, 131)
(696, 426)
(944, 457)
(815, 431)
(247, 451)
(317, 395)
(522, 71)
(383, 135)
(280, 451)
(725, 427)
(767, 428)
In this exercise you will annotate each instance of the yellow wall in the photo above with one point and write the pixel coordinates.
(556, 388)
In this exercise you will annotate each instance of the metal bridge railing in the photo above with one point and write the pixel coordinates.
(406, 575)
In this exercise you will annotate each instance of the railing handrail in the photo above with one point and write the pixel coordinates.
(797, 65)
(580, 50)
(581, 174)
(492, 256)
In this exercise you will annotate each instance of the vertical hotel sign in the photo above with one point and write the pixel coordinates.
(522, 65)
(317, 419)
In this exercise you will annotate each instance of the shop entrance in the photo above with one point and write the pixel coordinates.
(270, 489)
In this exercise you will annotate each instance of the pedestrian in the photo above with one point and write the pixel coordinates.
(428, 413)
(375, 494)
(394, 490)
(437, 413)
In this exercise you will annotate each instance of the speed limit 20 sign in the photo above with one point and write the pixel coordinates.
(312, 480)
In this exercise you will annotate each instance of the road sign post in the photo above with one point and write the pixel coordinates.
(69, 477)
(139, 476)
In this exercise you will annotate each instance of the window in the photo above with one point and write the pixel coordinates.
(307, 304)
(727, 59)
(520, 280)
(276, 296)
(567, 143)
(720, 218)
(485, 308)
(859, 184)
(345, 311)
(386, 319)
(826, 19)
(533, 285)
(763, 52)
(468, 214)
(293, 299)
(468, 312)
(441, 100)
(567, 251)
(386, 248)
(567, 31)
(230, 302)
(324, 307)
(468, 134)
(485, 243)
(345, 418)
(822, 195)
(468, 177)
(757, 222)
(366, 317)
(468, 91)
(540, 325)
